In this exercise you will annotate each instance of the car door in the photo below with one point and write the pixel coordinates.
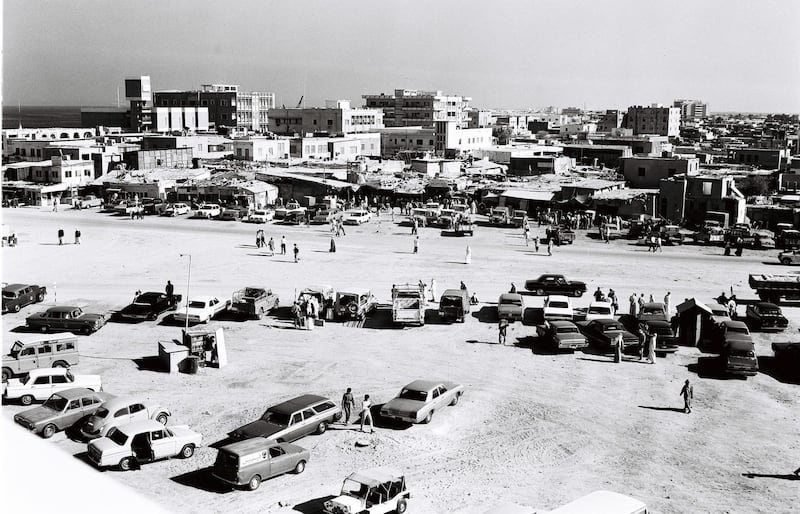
(72, 413)
(279, 461)
(41, 389)
(27, 296)
(59, 383)
(296, 427)
(28, 360)
(138, 412)
(162, 444)
(44, 356)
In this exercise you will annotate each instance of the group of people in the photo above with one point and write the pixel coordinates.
(261, 242)
(61, 237)
(637, 303)
(611, 298)
(349, 406)
(307, 309)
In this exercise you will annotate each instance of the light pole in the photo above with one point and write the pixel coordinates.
(188, 281)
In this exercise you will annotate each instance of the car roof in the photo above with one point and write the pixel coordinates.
(731, 323)
(601, 502)
(62, 308)
(600, 304)
(74, 393)
(137, 427)
(123, 401)
(766, 305)
(15, 287)
(47, 372)
(422, 385)
(298, 403)
(26, 339)
(606, 321)
(353, 290)
(563, 324)
(375, 476)
(653, 305)
(510, 296)
(255, 444)
(559, 297)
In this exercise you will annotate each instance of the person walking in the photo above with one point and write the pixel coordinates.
(414, 227)
(612, 297)
(643, 339)
(366, 414)
(536, 243)
(651, 347)
(170, 290)
(667, 303)
(296, 251)
(258, 238)
(60, 236)
(502, 327)
(310, 314)
(341, 228)
(283, 245)
(618, 348)
(549, 246)
(296, 314)
(348, 404)
(633, 304)
(433, 290)
(271, 246)
(333, 245)
(262, 240)
(525, 231)
(77, 236)
(416, 244)
(687, 391)
(468, 255)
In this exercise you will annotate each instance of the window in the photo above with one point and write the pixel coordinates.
(276, 451)
(89, 401)
(60, 379)
(322, 407)
(27, 352)
(330, 123)
(707, 188)
(308, 413)
(156, 435)
(121, 412)
(65, 346)
(136, 407)
(419, 141)
(45, 349)
(74, 404)
(204, 102)
(296, 418)
(224, 117)
(641, 172)
(436, 393)
(41, 381)
(223, 103)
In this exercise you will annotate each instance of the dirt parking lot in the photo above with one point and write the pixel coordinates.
(532, 428)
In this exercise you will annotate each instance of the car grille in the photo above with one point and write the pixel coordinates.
(24, 422)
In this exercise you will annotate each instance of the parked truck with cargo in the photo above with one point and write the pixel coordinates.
(772, 288)
(408, 304)
(253, 302)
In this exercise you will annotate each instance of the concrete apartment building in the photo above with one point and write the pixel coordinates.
(411, 107)
(261, 149)
(656, 119)
(451, 138)
(589, 154)
(763, 158)
(204, 146)
(610, 121)
(690, 198)
(336, 118)
(252, 110)
(647, 172)
(691, 109)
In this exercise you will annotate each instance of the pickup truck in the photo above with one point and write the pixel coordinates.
(500, 216)
(253, 302)
(87, 202)
(419, 400)
(548, 284)
(408, 304)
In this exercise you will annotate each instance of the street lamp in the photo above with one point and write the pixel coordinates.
(188, 281)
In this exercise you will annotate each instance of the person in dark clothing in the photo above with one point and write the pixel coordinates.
(463, 286)
(170, 290)
(77, 236)
(502, 327)
(333, 246)
(348, 404)
(513, 288)
(296, 251)
(688, 395)
(60, 236)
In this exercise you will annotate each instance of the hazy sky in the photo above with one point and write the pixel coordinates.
(734, 54)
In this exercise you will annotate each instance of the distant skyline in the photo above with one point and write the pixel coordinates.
(735, 55)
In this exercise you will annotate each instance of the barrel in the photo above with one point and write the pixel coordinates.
(192, 364)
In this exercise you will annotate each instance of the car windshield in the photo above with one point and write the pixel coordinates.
(559, 305)
(719, 312)
(567, 330)
(511, 301)
(652, 310)
(738, 330)
(56, 402)
(102, 412)
(599, 310)
(354, 489)
(662, 330)
(411, 394)
(347, 298)
(450, 301)
(117, 436)
(197, 304)
(612, 328)
(146, 299)
(277, 418)
(9, 294)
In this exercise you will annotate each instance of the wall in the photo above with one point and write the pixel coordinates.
(642, 172)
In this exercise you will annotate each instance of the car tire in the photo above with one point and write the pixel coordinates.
(787, 261)
(15, 308)
(126, 464)
(254, 482)
(49, 431)
(300, 467)
(40, 297)
(60, 364)
(428, 418)
(454, 401)
(7, 374)
(86, 330)
(321, 428)
(26, 399)
(578, 293)
(44, 329)
(162, 418)
(152, 316)
(540, 292)
(402, 505)
(187, 451)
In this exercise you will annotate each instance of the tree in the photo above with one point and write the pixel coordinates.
(755, 185)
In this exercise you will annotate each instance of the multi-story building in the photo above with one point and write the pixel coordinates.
(688, 199)
(764, 158)
(691, 109)
(219, 99)
(451, 138)
(252, 110)
(336, 118)
(261, 149)
(656, 119)
(647, 172)
(410, 107)
(611, 120)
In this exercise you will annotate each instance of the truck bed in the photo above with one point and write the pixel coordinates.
(762, 281)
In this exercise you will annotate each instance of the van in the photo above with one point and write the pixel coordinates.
(54, 351)
(603, 502)
(249, 462)
(454, 305)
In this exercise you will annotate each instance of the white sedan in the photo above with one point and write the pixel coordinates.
(558, 307)
(176, 209)
(260, 216)
(356, 217)
(599, 310)
(201, 310)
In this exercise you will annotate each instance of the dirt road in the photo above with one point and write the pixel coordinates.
(532, 428)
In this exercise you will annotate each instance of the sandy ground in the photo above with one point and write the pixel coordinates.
(534, 429)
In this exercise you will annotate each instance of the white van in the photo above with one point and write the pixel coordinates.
(603, 502)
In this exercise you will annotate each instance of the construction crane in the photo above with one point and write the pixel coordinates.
(300, 103)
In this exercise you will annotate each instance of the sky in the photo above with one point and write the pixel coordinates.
(736, 55)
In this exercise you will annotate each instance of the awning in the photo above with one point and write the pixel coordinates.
(523, 194)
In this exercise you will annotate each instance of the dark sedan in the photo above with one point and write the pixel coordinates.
(66, 318)
(148, 306)
(602, 332)
(17, 296)
(765, 316)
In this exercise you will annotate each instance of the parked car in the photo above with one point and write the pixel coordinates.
(249, 462)
(294, 218)
(130, 445)
(153, 205)
(148, 306)
(738, 357)
(557, 307)
(500, 216)
(356, 217)
(372, 491)
(40, 383)
(354, 304)
(175, 209)
(602, 332)
(408, 304)
(454, 305)
(56, 351)
(231, 214)
(555, 284)
(208, 210)
(66, 318)
(61, 411)
(17, 296)
(765, 316)
(730, 331)
(87, 202)
(253, 302)
(562, 335)
(719, 312)
(419, 400)
(292, 419)
(323, 216)
(599, 310)
(666, 340)
(260, 216)
(653, 311)
(519, 218)
(510, 306)
(120, 411)
(201, 310)
(789, 257)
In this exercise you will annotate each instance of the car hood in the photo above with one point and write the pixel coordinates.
(137, 309)
(403, 405)
(92, 317)
(353, 504)
(104, 444)
(38, 414)
(258, 428)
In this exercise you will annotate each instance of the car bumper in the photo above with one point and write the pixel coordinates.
(572, 345)
(397, 416)
(25, 423)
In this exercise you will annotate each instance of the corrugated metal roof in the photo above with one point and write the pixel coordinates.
(523, 194)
